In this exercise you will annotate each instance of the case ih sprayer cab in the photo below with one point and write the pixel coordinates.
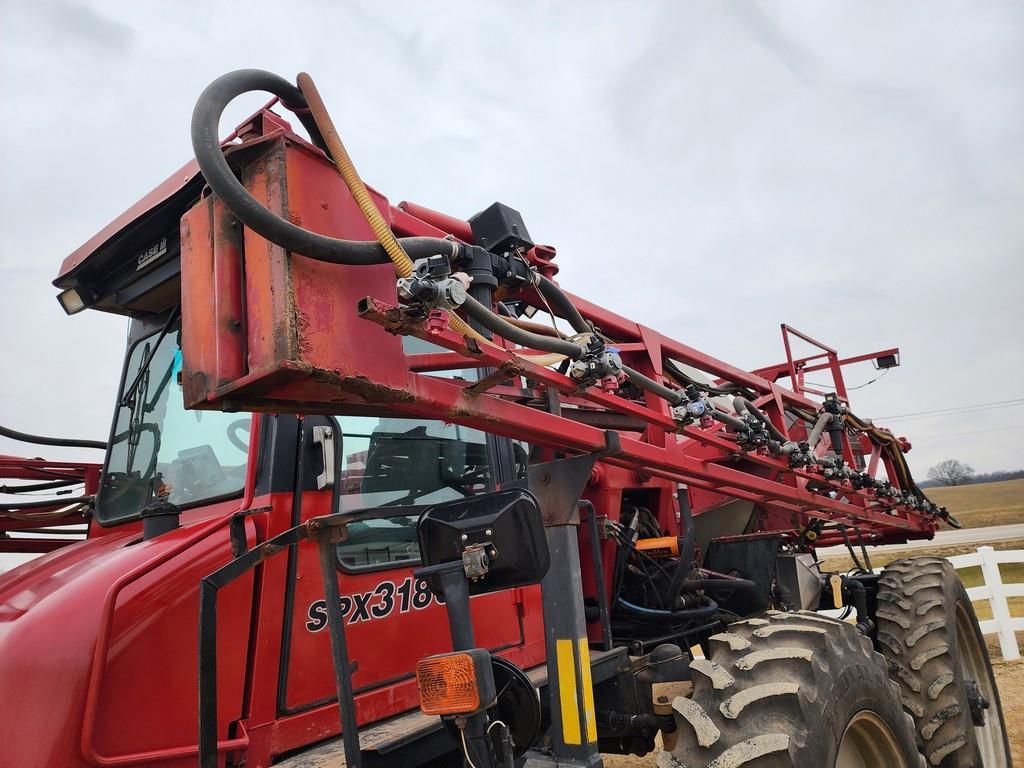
(379, 492)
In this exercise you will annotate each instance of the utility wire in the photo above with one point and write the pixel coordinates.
(969, 432)
(947, 411)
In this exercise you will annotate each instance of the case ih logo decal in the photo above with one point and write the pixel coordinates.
(379, 603)
(151, 254)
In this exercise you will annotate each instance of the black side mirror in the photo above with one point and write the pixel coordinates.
(499, 538)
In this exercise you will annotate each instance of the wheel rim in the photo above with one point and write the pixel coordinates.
(974, 667)
(868, 743)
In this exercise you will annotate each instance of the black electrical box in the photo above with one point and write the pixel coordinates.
(500, 229)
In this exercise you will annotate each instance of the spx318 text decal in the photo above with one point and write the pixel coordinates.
(380, 602)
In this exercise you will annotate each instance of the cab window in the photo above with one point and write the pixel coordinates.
(398, 462)
(159, 450)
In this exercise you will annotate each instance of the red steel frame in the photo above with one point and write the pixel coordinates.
(295, 373)
(18, 468)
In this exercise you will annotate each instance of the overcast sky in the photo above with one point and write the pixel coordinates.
(710, 169)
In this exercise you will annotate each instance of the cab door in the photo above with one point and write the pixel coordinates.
(391, 618)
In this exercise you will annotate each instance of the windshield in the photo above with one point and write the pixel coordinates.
(161, 451)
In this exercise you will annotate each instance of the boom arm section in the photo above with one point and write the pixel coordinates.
(276, 321)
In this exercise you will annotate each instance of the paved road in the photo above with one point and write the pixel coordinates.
(947, 537)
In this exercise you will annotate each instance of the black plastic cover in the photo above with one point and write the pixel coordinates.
(499, 228)
(507, 523)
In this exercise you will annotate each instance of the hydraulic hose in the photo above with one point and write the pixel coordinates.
(882, 437)
(672, 396)
(248, 210)
(36, 487)
(743, 404)
(561, 302)
(558, 300)
(62, 442)
(818, 429)
(527, 325)
(725, 388)
(687, 547)
(501, 327)
(741, 585)
(681, 614)
(729, 421)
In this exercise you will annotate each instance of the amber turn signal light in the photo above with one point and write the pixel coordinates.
(459, 683)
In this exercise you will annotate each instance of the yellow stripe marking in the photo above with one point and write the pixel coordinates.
(588, 691)
(567, 692)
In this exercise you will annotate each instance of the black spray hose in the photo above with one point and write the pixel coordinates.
(743, 404)
(63, 442)
(36, 487)
(725, 388)
(563, 304)
(687, 547)
(730, 421)
(860, 602)
(494, 323)
(248, 210)
(740, 585)
(673, 396)
(681, 614)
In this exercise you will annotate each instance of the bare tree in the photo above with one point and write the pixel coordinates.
(951, 472)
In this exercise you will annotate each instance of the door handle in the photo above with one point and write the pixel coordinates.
(324, 437)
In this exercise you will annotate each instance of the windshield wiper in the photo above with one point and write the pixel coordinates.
(129, 393)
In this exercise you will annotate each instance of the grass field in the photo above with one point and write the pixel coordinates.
(975, 506)
(984, 504)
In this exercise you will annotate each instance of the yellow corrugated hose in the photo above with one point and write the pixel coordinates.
(377, 222)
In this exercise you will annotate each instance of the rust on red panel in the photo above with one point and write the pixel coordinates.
(198, 323)
(228, 298)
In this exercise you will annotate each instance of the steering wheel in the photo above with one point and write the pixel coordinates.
(234, 439)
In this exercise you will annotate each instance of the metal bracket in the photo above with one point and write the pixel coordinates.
(558, 486)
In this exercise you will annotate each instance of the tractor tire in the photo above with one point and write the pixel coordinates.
(791, 690)
(929, 635)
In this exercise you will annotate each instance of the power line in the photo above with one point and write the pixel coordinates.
(969, 432)
(957, 409)
(960, 412)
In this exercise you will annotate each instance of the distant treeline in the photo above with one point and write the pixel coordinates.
(986, 477)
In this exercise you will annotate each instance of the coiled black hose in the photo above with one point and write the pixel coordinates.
(248, 210)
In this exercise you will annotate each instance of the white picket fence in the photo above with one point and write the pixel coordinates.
(997, 593)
